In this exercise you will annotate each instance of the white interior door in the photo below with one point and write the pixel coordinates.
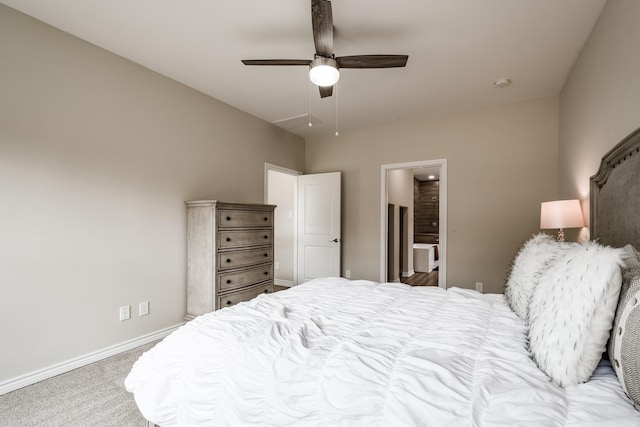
(319, 237)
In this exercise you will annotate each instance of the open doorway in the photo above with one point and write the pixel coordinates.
(403, 239)
(397, 189)
(398, 263)
(280, 190)
(307, 224)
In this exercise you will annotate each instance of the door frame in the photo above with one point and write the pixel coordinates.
(442, 226)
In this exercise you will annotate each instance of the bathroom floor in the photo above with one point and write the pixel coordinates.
(422, 279)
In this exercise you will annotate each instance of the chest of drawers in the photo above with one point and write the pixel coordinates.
(229, 254)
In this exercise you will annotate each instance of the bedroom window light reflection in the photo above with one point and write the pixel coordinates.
(561, 214)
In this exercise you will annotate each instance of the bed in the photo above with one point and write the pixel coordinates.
(338, 352)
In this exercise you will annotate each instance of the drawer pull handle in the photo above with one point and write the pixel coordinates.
(228, 218)
(266, 291)
(266, 237)
(266, 273)
(228, 302)
(266, 255)
(228, 239)
(266, 218)
(228, 281)
(228, 260)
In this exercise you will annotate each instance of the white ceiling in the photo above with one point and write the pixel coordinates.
(456, 48)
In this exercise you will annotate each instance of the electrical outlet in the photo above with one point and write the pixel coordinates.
(347, 274)
(277, 266)
(479, 287)
(125, 312)
(143, 308)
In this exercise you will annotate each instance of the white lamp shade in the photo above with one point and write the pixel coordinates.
(561, 214)
(324, 72)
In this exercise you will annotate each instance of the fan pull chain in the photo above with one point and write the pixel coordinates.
(309, 93)
(336, 89)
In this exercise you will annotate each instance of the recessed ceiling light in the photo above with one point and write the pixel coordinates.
(502, 82)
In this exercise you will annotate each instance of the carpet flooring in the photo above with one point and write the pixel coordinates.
(93, 395)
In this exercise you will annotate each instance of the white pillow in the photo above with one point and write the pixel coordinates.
(572, 310)
(528, 265)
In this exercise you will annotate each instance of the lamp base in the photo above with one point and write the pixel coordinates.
(560, 235)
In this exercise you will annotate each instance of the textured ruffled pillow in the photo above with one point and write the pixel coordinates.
(572, 311)
(528, 265)
(624, 345)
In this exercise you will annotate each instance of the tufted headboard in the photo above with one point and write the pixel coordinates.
(615, 195)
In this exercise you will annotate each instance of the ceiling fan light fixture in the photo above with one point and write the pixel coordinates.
(324, 71)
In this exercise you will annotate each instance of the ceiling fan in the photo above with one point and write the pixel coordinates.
(324, 68)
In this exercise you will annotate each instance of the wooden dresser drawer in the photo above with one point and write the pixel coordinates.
(236, 259)
(236, 239)
(245, 277)
(245, 295)
(228, 218)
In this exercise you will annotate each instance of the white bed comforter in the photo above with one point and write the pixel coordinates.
(334, 352)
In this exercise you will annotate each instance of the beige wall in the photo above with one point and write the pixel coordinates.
(501, 162)
(600, 102)
(97, 157)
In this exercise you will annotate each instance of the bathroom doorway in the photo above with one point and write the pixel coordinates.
(397, 190)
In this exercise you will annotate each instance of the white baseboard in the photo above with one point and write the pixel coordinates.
(71, 364)
(408, 273)
(280, 282)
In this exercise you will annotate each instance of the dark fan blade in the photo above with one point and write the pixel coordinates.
(372, 61)
(322, 24)
(325, 91)
(276, 61)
